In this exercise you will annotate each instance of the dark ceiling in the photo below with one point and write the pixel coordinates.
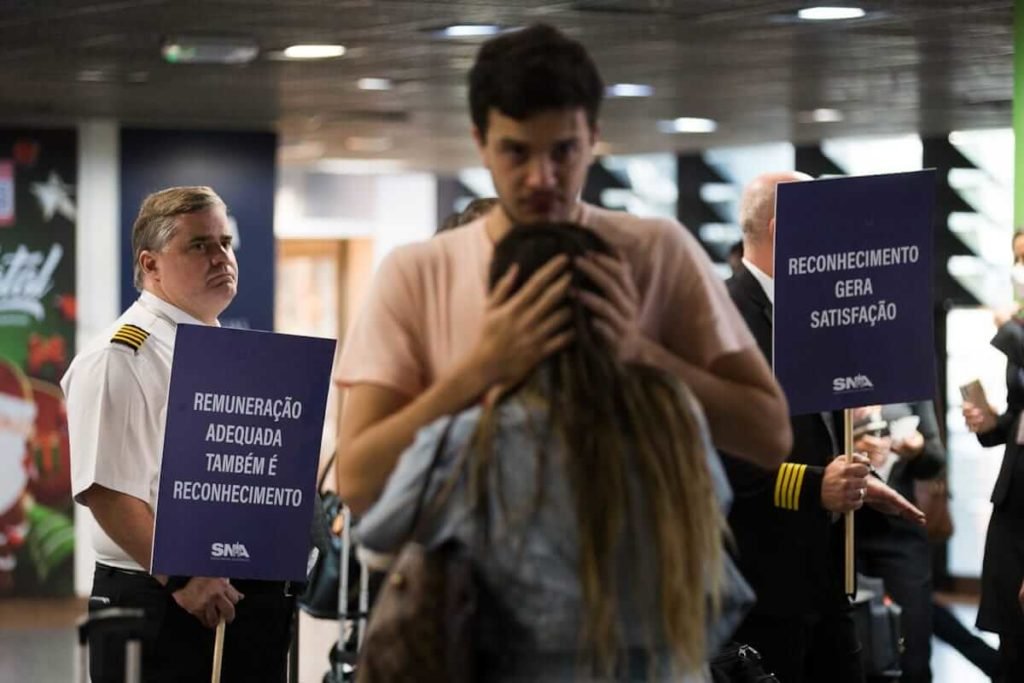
(929, 66)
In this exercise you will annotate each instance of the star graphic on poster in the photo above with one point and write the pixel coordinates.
(55, 197)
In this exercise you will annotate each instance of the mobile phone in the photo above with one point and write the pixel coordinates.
(974, 393)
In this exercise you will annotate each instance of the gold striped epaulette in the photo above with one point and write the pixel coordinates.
(788, 485)
(131, 336)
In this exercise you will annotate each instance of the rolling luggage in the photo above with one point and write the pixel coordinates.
(98, 629)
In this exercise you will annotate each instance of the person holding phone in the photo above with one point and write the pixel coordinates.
(1002, 576)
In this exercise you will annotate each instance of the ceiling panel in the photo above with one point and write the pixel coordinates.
(910, 65)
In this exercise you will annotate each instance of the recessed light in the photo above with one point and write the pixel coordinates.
(361, 166)
(830, 13)
(314, 51)
(687, 124)
(92, 76)
(629, 90)
(823, 115)
(208, 50)
(374, 84)
(470, 30)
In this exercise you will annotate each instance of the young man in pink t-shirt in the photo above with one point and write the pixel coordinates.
(431, 340)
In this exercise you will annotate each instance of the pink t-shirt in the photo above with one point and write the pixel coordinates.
(424, 310)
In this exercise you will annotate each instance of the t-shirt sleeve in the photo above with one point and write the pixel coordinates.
(389, 523)
(382, 344)
(113, 443)
(699, 322)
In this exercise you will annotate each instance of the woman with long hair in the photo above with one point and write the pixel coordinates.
(602, 497)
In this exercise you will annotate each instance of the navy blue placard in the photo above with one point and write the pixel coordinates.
(241, 167)
(853, 295)
(239, 460)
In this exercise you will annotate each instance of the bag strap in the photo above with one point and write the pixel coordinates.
(323, 475)
(418, 521)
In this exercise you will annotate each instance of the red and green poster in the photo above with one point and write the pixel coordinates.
(38, 212)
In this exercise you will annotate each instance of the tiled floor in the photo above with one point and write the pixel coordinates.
(37, 644)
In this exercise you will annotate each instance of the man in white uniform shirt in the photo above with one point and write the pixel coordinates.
(116, 390)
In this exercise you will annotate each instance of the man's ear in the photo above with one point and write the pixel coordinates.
(148, 263)
(771, 229)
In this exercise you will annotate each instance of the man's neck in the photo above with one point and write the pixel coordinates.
(497, 223)
(157, 292)
(763, 262)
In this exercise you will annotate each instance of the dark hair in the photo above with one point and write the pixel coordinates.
(618, 423)
(531, 70)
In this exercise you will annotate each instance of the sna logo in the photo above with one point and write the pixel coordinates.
(858, 383)
(229, 551)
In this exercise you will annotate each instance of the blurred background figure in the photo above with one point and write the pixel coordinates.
(904, 445)
(476, 208)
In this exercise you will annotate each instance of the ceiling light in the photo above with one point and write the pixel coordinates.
(470, 30)
(629, 90)
(314, 51)
(830, 13)
(367, 144)
(92, 76)
(687, 124)
(360, 166)
(820, 116)
(301, 151)
(208, 50)
(374, 84)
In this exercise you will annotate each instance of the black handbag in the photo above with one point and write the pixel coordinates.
(320, 599)
(738, 663)
(878, 624)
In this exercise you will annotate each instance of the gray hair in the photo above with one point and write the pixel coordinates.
(154, 227)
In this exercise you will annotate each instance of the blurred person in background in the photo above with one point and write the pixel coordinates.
(903, 443)
(1002, 576)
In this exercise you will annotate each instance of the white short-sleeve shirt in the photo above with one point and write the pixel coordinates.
(116, 393)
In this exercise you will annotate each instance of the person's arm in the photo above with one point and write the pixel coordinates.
(738, 389)
(377, 423)
(925, 453)
(127, 520)
(801, 488)
(745, 407)
(129, 523)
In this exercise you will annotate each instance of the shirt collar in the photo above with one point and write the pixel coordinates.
(165, 310)
(767, 283)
